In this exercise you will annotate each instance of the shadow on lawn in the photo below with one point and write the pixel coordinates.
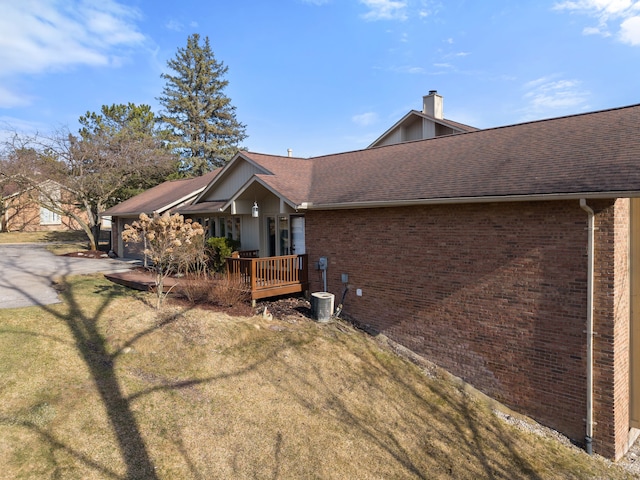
(93, 349)
(445, 435)
(441, 415)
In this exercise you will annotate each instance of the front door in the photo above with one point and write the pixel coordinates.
(297, 235)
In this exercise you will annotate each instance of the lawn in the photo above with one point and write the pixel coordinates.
(102, 386)
(58, 242)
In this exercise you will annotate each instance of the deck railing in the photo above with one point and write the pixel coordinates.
(271, 276)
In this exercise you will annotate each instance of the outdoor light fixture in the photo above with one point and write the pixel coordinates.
(254, 210)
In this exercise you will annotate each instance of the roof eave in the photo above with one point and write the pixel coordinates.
(252, 180)
(460, 200)
(218, 178)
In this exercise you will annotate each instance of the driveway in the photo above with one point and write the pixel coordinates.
(28, 270)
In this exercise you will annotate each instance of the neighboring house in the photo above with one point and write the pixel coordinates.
(509, 256)
(22, 211)
(429, 123)
(160, 199)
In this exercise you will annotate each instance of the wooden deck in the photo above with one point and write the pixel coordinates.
(271, 276)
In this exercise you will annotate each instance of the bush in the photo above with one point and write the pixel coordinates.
(228, 290)
(219, 289)
(196, 288)
(219, 249)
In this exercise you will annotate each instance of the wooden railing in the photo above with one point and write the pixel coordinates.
(271, 276)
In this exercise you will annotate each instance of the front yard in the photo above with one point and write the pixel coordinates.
(104, 387)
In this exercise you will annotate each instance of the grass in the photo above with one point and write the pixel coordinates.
(104, 387)
(58, 242)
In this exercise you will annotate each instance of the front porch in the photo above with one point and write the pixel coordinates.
(271, 276)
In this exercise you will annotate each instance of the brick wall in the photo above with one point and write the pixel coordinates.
(494, 293)
(611, 327)
(23, 215)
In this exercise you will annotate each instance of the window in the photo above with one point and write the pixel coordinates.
(278, 235)
(47, 217)
(230, 227)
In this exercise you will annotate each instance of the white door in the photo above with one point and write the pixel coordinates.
(297, 235)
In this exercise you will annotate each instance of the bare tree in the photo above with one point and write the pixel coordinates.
(117, 153)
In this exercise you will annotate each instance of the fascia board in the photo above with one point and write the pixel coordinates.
(250, 182)
(392, 128)
(223, 173)
(460, 200)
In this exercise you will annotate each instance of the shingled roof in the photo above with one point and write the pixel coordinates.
(587, 155)
(162, 197)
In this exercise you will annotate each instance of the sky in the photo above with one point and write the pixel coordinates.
(323, 76)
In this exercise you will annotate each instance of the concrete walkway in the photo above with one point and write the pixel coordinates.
(28, 270)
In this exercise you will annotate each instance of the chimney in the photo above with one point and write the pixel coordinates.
(432, 105)
(289, 152)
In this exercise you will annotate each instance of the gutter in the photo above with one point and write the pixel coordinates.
(590, 253)
(459, 200)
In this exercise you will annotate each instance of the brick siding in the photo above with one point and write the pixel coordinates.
(497, 295)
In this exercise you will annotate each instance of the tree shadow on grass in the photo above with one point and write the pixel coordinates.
(93, 348)
(435, 431)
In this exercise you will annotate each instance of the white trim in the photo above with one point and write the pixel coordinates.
(459, 200)
(250, 182)
(218, 178)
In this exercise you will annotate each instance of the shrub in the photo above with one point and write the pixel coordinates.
(167, 238)
(228, 290)
(219, 249)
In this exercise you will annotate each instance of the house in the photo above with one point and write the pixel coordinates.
(509, 256)
(160, 199)
(21, 209)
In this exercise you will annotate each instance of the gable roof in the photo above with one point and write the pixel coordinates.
(162, 197)
(587, 155)
(286, 177)
(291, 177)
(415, 114)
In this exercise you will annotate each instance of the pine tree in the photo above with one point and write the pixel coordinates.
(198, 113)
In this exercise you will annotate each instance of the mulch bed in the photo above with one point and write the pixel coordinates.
(289, 308)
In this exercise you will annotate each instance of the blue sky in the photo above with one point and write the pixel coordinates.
(323, 76)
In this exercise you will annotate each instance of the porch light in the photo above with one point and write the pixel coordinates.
(254, 210)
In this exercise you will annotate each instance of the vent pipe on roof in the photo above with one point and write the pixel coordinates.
(432, 104)
(289, 152)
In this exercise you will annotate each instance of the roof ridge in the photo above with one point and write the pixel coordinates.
(482, 130)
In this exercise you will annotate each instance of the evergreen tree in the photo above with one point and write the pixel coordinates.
(198, 113)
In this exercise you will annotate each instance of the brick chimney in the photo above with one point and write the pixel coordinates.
(432, 105)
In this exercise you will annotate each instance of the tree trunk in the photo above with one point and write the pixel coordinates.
(95, 232)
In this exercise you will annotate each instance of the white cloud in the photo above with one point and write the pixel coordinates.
(630, 31)
(385, 9)
(10, 99)
(365, 119)
(409, 69)
(45, 35)
(548, 97)
(609, 14)
(174, 25)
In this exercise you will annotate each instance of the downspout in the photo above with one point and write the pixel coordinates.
(590, 247)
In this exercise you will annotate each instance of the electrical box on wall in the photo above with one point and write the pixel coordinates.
(322, 263)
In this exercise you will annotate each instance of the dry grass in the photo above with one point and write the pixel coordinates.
(102, 386)
(58, 242)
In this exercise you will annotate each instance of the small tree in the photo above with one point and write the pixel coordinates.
(167, 237)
